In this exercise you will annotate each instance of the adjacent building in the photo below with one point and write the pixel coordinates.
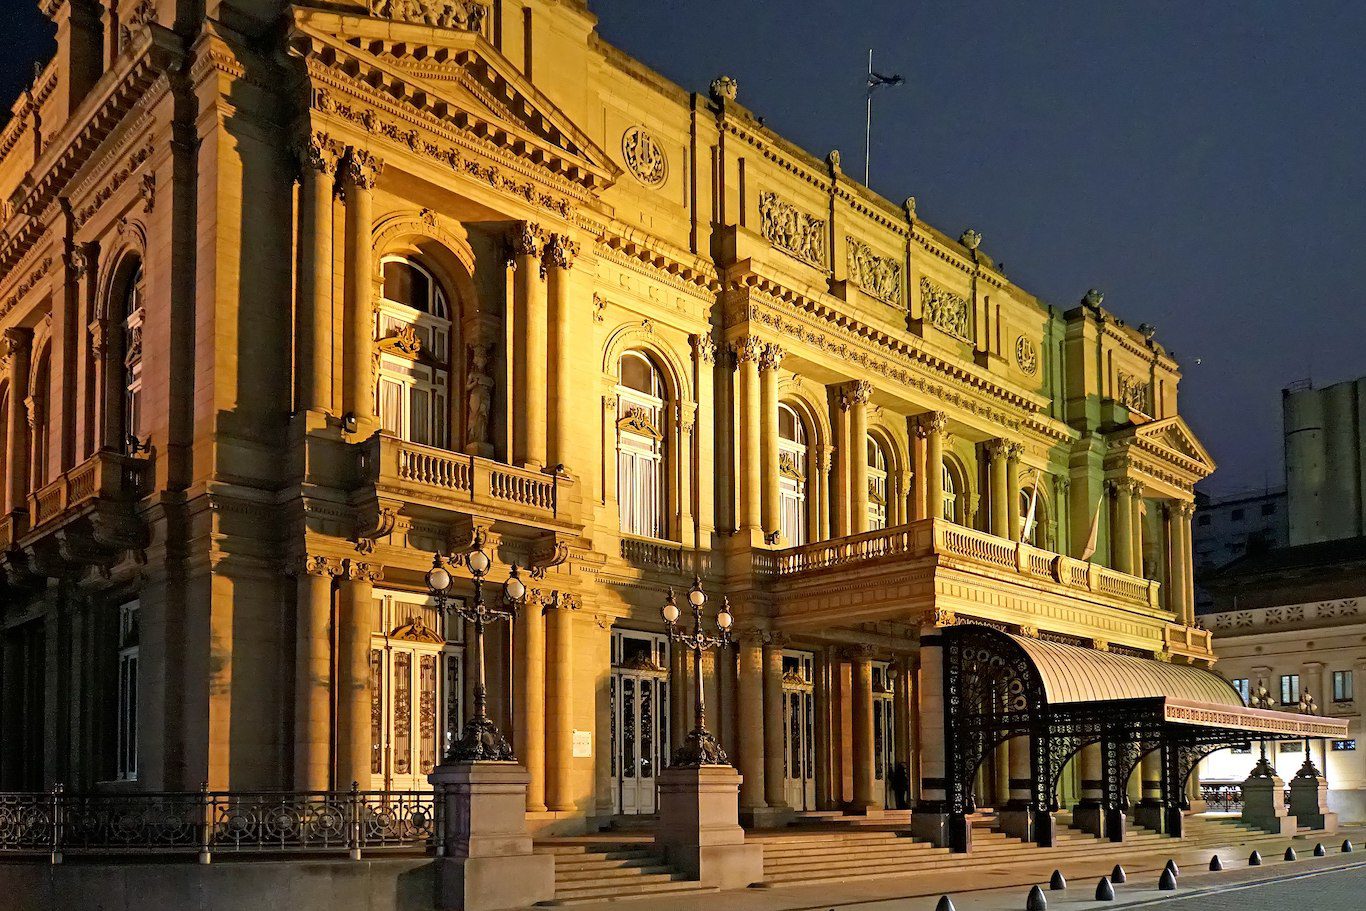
(297, 299)
(1231, 526)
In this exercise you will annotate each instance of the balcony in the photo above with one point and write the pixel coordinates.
(934, 565)
(451, 481)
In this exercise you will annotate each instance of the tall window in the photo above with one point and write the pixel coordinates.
(1290, 689)
(133, 315)
(1342, 686)
(792, 474)
(640, 446)
(948, 505)
(414, 336)
(126, 727)
(877, 486)
(1241, 685)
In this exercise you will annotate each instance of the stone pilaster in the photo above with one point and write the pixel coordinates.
(361, 171)
(318, 159)
(770, 360)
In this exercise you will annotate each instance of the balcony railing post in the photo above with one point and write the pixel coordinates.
(205, 824)
(57, 812)
(353, 832)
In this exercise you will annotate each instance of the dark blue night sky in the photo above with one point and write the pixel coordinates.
(1202, 163)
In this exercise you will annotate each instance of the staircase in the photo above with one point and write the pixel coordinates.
(594, 871)
(842, 852)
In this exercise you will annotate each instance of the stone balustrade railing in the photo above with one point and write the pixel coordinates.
(105, 474)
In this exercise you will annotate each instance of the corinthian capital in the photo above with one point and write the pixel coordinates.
(931, 422)
(704, 348)
(859, 392)
(748, 349)
(527, 239)
(318, 152)
(362, 168)
(771, 356)
(997, 448)
(560, 252)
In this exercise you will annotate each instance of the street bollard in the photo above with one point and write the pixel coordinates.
(1290, 854)
(1117, 875)
(1255, 859)
(1104, 891)
(1056, 882)
(944, 904)
(1319, 850)
(1036, 901)
(1172, 867)
(1347, 846)
(1167, 881)
(1215, 864)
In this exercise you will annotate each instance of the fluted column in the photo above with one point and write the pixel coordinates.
(1122, 547)
(560, 252)
(775, 778)
(752, 721)
(354, 741)
(855, 400)
(361, 171)
(1187, 564)
(530, 353)
(820, 529)
(748, 352)
(313, 674)
(864, 798)
(769, 361)
(560, 703)
(997, 474)
(1013, 523)
(318, 164)
(932, 426)
(17, 350)
(529, 696)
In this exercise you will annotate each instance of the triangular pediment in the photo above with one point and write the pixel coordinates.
(460, 79)
(1173, 438)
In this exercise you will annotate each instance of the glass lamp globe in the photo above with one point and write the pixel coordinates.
(478, 562)
(670, 609)
(438, 579)
(724, 618)
(514, 588)
(697, 597)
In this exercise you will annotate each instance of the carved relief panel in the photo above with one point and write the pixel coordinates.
(946, 311)
(878, 276)
(1134, 393)
(792, 230)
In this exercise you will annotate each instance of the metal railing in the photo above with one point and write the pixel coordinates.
(1222, 798)
(204, 823)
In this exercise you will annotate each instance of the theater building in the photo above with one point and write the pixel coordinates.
(297, 296)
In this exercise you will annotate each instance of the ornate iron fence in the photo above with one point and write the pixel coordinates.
(204, 822)
(1222, 798)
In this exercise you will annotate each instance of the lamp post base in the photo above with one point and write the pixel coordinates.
(481, 741)
(699, 826)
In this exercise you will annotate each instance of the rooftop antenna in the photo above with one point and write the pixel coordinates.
(875, 80)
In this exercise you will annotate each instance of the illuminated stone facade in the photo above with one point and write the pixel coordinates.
(294, 297)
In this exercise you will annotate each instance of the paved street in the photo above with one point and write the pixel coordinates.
(1332, 890)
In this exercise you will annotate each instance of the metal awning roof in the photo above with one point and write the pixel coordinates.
(1189, 695)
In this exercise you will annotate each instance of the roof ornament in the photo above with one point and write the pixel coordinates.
(724, 88)
(970, 239)
(1093, 298)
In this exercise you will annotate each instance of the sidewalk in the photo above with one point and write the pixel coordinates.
(985, 889)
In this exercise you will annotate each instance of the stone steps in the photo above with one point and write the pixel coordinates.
(589, 871)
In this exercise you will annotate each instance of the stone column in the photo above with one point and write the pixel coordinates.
(1171, 529)
(748, 352)
(1018, 817)
(820, 530)
(901, 703)
(703, 442)
(855, 399)
(751, 706)
(354, 741)
(17, 350)
(919, 509)
(1148, 813)
(318, 164)
(313, 674)
(822, 733)
(1089, 813)
(1136, 536)
(933, 819)
(769, 362)
(560, 704)
(998, 476)
(1013, 518)
(933, 427)
(1122, 545)
(529, 337)
(775, 779)
(843, 521)
(362, 170)
(898, 513)
(529, 728)
(1001, 786)
(1187, 563)
(560, 252)
(865, 800)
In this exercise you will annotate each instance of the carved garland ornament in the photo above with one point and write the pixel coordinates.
(1026, 356)
(644, 156)
(879, 276)
(946, 311)
(792, 230)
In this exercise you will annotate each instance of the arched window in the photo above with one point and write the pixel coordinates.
(413, 332)
(641, 491)
(877, 486)
(132, 314)
(792, 475)
(948, 504)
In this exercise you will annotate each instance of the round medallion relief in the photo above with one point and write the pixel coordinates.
(1026, 356)
(644, 156)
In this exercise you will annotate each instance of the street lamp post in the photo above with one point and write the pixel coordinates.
(481, 739)
(700, 748)
(1261, 699)
(1307, 707)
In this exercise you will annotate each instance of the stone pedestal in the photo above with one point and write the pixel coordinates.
(1017, 822)
(699, 827)
(1309, 800)
(1264, 801)
(487, 862)
(931, 823)
(1150, 814)
(1089, 817)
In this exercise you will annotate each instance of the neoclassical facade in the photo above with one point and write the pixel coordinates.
(296, 296)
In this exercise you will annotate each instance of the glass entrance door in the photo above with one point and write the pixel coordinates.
(799, 722)
(416, 691)
(639, 699)
(884, 733)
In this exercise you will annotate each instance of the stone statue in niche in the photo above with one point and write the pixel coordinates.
(479, 399)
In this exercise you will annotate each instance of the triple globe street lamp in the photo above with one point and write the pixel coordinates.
(700, 748)
(481, 740)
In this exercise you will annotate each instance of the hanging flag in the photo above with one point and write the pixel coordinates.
(1093, 540)
(877, 79)
(1033, 505)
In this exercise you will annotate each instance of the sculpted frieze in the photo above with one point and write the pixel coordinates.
(1134, 393)
(878, 276)
(792, 230)
(946, 311)
(464, 15)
